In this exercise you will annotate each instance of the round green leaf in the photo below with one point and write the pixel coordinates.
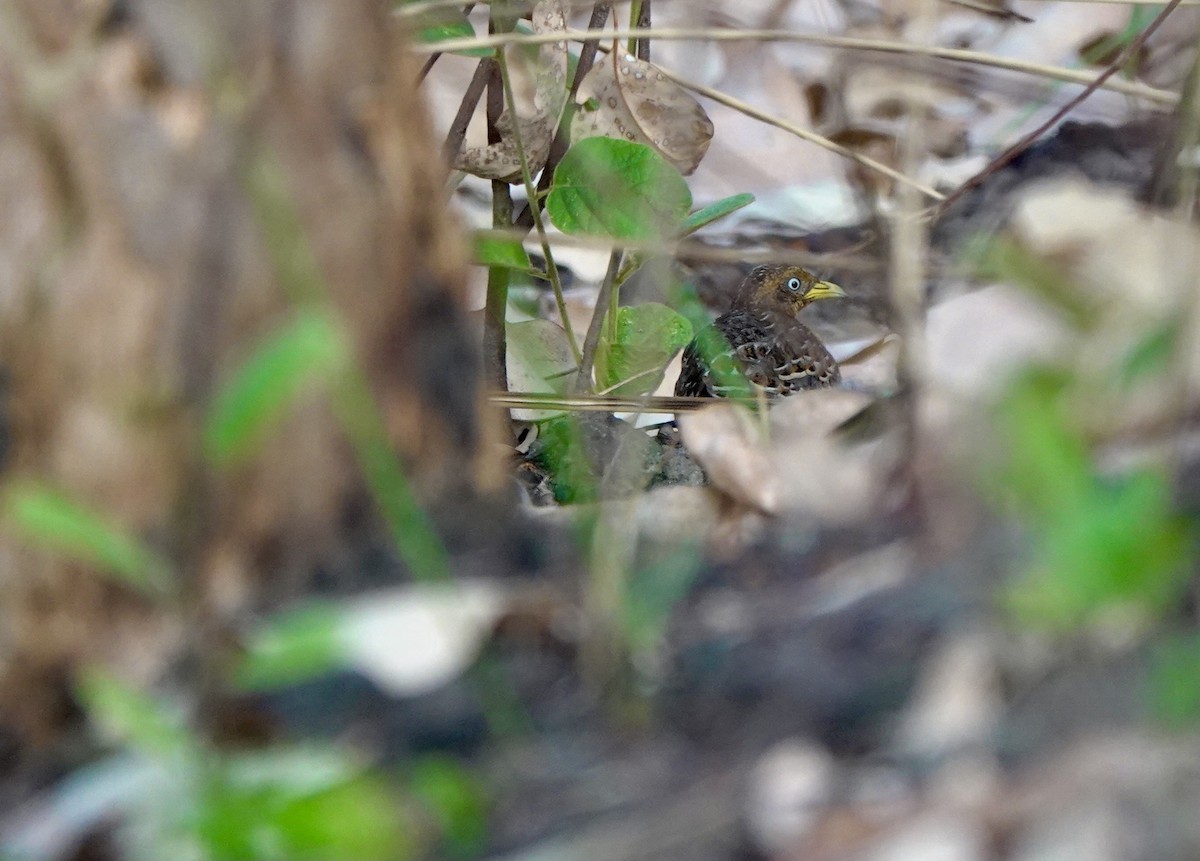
(647, 336)
(619, 189)
(714, 211)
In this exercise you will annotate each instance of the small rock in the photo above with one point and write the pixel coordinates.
(789, 790)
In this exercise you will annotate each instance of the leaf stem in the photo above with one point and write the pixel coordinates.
(495, 347)
(602, 311)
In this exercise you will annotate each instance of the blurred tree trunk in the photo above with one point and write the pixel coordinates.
(135, 276)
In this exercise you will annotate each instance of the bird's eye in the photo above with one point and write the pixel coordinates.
(793, 284)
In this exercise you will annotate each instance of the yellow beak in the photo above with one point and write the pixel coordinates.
(824, 290)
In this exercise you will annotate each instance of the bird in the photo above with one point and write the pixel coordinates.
(759, 340)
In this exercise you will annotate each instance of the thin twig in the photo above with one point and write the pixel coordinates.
(1131, 50)
(592, 339)
(908, 250)
(495, 336)
(466, 108)
(610, 403)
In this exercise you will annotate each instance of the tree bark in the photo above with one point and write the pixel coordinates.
(136, 275)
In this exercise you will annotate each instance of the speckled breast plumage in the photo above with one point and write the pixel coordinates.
(774, 353)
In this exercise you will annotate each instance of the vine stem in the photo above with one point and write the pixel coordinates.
(539, 225)
(495, 333)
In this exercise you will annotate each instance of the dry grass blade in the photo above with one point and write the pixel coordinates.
(805, 134)
(600, 403)
(1073, 76)
(1028, 140)
(691, 250)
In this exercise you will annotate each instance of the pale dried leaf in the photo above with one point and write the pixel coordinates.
(798, 466)
(1119, 253)
(627, 98)
(1137, 269)
(538, 359)
(869, 363)
(977, 341)
(957, 701)
(537, 115)
(814, 413)
(727, 440)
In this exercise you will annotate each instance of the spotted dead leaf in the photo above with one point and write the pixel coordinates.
(540, 103)
(631, 99)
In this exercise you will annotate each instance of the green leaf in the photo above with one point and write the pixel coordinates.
(301, 805)
(619, 189)
(1120, 549)
(560, 449)
(707, 215)
(419, 545)
(1048, 466)
(306, 349)
(132, 716)
(647, 337)
(456, 800)
(439, 25)
(49, 519)
(1151, 354)
(1175, 681)
(714, 352)
(1100, 545)
(292, 648)
(508, 253)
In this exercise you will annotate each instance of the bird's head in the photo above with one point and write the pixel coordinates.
(784, 288)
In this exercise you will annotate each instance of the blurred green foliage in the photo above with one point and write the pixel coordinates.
(48, 519)
(283, 803)
(1174, 686)
(294, 647)
(302, 352)
(1106, 544)
(456, 800)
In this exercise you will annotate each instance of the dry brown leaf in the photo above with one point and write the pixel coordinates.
(727, 440)
(799, 466)
(627, 98)
(1137, 270)
(977, 341)
(817, 472)
(539, 111)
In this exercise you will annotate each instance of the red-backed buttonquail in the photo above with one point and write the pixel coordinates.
(760, 340)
